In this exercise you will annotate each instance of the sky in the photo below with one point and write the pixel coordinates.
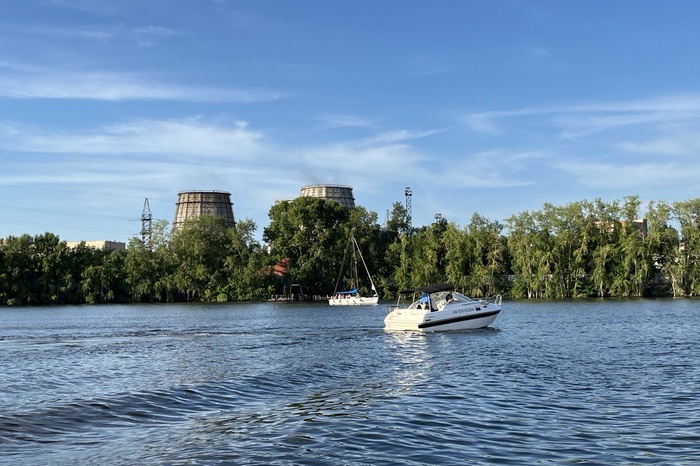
(493, 107)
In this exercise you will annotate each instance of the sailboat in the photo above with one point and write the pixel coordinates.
(353, 297)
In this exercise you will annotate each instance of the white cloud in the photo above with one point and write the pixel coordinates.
(330, 121)
(157, 159)
(589, 118)
(56, 84)
(488, 169)
(343, 160)
(146, 36)
(629, 177)
(194, 151)
(189, 137)
(397, 136)
(89, 6)
(676, 143)
(539, 52)
(426, 65)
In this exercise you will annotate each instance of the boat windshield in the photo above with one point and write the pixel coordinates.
(450, 296)
(438, 300)
(441, 298)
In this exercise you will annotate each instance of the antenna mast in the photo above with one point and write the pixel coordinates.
(409, 214)
(146, 224)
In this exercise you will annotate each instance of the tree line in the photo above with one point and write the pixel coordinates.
(582, 249)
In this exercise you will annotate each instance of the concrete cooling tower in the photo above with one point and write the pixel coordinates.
(340, 194)
(193, 204)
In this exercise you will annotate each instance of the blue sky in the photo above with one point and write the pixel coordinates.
(492, 107)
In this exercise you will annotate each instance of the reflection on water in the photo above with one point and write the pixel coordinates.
(413, 359)
(598, 382)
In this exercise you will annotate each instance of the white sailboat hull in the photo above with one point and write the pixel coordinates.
(353, 298)
(353, 301)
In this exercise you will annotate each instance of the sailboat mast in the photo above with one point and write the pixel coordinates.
(357, 246)
(355, 278)
(342, 267)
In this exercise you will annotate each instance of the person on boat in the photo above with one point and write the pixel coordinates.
(423, 304)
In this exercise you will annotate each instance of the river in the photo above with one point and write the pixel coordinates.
(549, 382)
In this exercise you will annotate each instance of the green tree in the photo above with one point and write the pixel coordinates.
(50, 255)
(200, 247)
(247, 267)
(606, 220)
(635, 263)
(311, 233)
(19, 270)
(529, 242)
(104, 283)
(488, 256)
(663, 247)
(687, 214)
(459, 256)
(397, 223)
(149, 268)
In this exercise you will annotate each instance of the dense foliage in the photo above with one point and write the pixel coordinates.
(584, 249)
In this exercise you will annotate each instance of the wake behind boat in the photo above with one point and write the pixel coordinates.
(353, 296)
(440, 308)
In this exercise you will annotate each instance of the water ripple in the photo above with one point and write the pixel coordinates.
(302, 385)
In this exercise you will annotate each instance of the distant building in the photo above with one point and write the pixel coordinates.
(281, 268)
(103, 245)
(640, 225)
(194, 204)
(331, 192)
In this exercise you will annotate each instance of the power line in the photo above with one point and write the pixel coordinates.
(114, 195)
(44, 225)
(70, 214)
(78, 192)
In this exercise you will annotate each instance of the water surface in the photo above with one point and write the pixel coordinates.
(553, 382)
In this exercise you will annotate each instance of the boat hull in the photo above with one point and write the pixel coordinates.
(446, 320)
(354, 301)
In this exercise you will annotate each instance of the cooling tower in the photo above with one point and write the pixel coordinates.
(330, 192)
(193, 204)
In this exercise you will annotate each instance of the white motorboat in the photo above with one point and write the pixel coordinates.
(353, 296)
(438, 308)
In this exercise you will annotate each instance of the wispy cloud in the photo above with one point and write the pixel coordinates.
(424, 65)
(673, 142)
(539, 53)
(331, 121)
(494, 168)
(628, 177)
(397, 136)
(221, 146)
(645, 146)
(189, 137)
(584, 119)
(161, 157)
(339, 161)
(143, 35)
(110, 86)
(88, 6)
